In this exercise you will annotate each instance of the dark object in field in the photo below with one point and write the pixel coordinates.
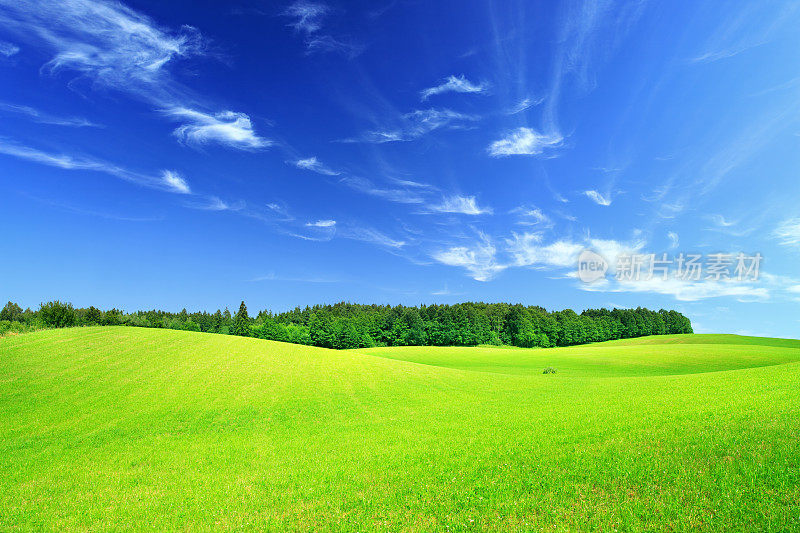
(549, 370)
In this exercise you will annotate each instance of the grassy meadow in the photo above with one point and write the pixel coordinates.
(132, 428)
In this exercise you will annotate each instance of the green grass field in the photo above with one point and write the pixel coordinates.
(127, 428)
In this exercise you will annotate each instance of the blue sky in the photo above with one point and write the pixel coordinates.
(184, 154)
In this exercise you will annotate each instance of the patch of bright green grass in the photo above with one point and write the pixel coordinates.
(644, 356)
(126, 428)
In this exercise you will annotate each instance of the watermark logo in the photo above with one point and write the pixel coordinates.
(682, 267)
(591, 266)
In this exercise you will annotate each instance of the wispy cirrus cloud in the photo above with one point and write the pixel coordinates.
(465, 205)
(674, 240)
(8, 49)
(445, 291)
(168, 180)
(788, 232)
(315, 165)
(532, 216)
(524, 141)
(214, 203)
(746, 28)
(90, 212)
(483, 260)
(685, 290)
(721, 221)
(526, 249)
(530, 250)
(321, 224)
(598, 198)
(416, 124)
(295, 279)
(106, 42)
(590, 32)
(279, 216)
(523, 105)
(730, 227)
(227, 128)
(479, 258)
(115, 47)
(280, 210)
(402, 195)
(307, 16)
(45, 118)
(372, 236)
(175, 182)
(328, 43)
(318, 230)
(455, 84)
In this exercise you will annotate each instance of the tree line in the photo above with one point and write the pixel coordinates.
(346, 325)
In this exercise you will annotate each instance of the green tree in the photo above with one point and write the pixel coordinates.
(93, 316)
(57, 314)
(241, 322)
(11, 312)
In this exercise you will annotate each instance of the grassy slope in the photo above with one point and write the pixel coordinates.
(130, 428)
(645, 356)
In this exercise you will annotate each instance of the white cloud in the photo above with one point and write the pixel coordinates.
(372, 236)
(685, 290)
(45, 118)
(282, 211)
(742, 29)
(611, 250)
(526, 249)
(307, 15)
(175, 182)
(720, 221)
(532, 216)
(213, 203)
(445, 292)
(274, 277)
(412, 184)
(323, 238)
(670, 209)
(483, 261)
(168, 180)
(788, 232)
(730, 227)
(465, 205)
(567, 216)
(524, 141)
(524, 104)
(227, 128)
(313, 164)
(405, 195)
(328, 43)
(456, 84)
(598, 198)
(54, 160)
(106, 42)
(321, 224)
(416, 124)
(114, 46)
(479, 259)
(8, 49)
(673, 239)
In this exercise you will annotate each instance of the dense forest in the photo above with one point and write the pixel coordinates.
(346, 325)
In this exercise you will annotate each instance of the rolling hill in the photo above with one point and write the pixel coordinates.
(129, 428)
